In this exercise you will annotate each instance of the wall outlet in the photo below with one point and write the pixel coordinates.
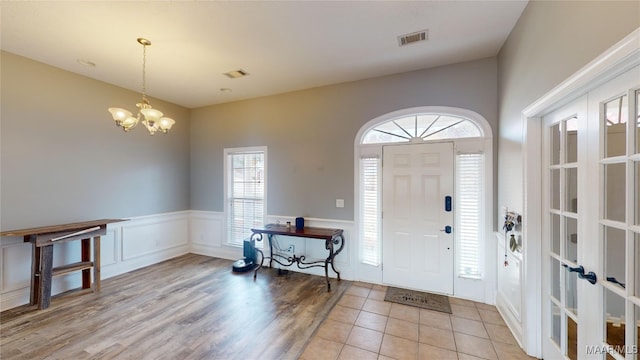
(339, 203)
(291, 249)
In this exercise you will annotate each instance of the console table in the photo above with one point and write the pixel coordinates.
(331, 237)
(42, 240)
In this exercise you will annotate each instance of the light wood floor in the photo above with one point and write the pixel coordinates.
(190, 307)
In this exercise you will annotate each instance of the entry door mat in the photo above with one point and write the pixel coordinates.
(418, 299)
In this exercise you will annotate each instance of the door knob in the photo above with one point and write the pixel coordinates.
(447, 229)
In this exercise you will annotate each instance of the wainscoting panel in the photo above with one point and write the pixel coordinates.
(509, 297)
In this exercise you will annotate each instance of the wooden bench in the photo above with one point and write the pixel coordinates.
(42, 240)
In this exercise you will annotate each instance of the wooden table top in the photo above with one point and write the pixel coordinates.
(59, 228)
(307, 231)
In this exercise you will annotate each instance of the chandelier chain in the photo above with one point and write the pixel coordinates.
(144, 71)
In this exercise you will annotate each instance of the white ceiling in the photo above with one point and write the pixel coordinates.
(284, 46)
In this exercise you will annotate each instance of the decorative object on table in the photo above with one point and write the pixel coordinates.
(300, 223)
(151, 118)
(419, 299)
(288, 224)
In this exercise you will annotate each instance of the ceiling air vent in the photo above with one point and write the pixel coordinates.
(236, 74)
(414, 37)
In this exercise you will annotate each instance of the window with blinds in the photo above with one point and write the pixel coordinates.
(370, 209)
(469, 229)
(245, 193)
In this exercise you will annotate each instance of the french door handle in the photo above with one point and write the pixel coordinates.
(590, 276)
(579, 269)
(615, 281)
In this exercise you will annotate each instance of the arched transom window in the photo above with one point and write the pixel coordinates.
(422, 127)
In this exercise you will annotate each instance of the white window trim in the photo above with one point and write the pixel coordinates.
(239, 150)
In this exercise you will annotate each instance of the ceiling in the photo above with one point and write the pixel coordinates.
(284, 46)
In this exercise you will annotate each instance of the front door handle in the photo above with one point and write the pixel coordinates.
(447, 229)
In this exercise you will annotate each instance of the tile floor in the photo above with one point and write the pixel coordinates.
(363, 326)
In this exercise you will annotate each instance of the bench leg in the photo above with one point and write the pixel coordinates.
(35, 275)
(96, 263)
(46, 273)
(85, 255)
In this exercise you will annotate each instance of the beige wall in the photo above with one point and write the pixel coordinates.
(310, 134)
(63, 159)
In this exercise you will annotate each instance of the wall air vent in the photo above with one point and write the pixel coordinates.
(236, 74)
(414, 37)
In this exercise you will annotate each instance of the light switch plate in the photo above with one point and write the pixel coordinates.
(339, 203)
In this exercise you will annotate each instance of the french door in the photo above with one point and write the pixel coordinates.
(591, 224)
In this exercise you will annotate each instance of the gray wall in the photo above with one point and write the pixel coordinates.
(310, 134)
(64, 160)
(550, 42)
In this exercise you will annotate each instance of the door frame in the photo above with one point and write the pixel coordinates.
(621, 57)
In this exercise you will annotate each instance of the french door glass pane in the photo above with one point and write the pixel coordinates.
(637, 265)
(637, 121)
(571, 243)
(571, 190)
(555, 144)
(615, 124)
(637, 187)
(571, 292)
(555, 189)
(572, 339)
(556, 320)
(614, 175)
(614, 249)
(637, 344)
(555, 234)
(555, 279)
(614, 320)
(572, 140)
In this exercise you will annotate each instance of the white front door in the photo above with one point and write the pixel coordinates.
(592, 224)
(417, 233)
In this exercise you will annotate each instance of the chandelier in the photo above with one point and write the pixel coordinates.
(151, 118)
